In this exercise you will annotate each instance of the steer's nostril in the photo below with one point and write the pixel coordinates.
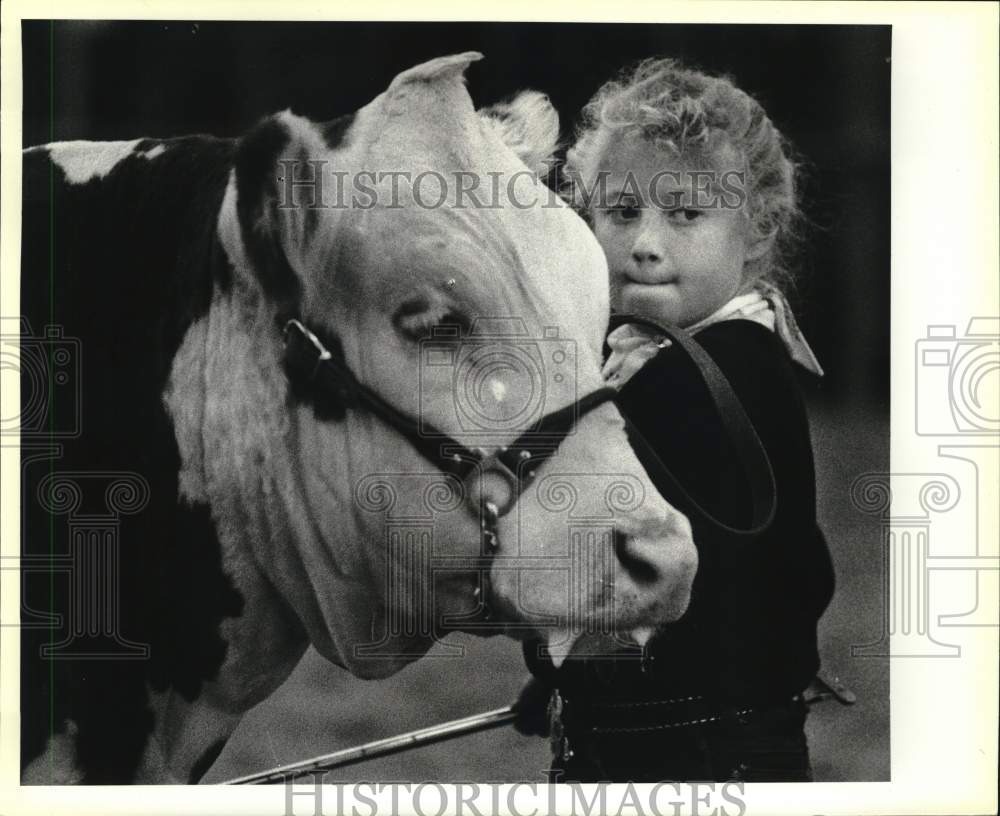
(641, 570)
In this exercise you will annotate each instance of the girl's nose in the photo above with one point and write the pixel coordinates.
(648, 249)
(646, 256)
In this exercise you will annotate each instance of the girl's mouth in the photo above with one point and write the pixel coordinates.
(631, 280)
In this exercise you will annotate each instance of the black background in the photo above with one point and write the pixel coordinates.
(826, 87)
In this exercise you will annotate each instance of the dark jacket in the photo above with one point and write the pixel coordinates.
(749, 635)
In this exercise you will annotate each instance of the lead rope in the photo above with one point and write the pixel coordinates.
(738, 429)
(318, 766)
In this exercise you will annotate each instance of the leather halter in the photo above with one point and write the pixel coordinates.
(514, 464)
(735, 425)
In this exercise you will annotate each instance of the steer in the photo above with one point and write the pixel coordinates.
(339, 385)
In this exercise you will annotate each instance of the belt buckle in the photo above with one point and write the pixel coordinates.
(558, 741)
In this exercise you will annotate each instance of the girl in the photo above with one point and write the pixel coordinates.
(689, 189)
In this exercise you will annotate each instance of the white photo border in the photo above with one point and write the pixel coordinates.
(945, 114)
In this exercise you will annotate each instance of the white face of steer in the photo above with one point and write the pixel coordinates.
(362, 536)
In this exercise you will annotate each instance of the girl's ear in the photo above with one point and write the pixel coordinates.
(757, 248)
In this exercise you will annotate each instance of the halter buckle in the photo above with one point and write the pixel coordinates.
(322, 352)
(502, 497)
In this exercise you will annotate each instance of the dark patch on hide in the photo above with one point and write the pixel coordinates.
(193, 595)
(335, 131)
(205, 761)
(308, 195)
(257, 200)
(124, 264)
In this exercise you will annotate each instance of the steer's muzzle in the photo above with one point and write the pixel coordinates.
(594, 557)
(657, 560)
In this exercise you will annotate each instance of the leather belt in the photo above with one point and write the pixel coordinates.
(571, 720)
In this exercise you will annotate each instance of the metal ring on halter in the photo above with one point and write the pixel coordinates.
(502, 496)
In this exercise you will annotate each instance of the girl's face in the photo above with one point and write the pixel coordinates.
(671, 258)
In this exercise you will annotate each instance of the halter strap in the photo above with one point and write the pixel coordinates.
(516, 462)
(736, 425)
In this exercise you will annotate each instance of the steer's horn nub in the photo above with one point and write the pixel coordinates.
(435, 69)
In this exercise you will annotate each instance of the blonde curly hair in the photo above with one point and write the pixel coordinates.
(685, 111)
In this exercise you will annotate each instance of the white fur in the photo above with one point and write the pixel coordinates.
(184, 398)
(153, 152)
(435, 69)
(529, 126)
(85, 161)
(57, 764)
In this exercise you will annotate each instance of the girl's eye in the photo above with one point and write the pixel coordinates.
(623, 213)
(684, 215)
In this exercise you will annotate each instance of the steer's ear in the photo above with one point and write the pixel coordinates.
(529, 126)
(274, 230)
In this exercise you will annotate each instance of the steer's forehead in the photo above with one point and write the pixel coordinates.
(540, 263)
(450, 201)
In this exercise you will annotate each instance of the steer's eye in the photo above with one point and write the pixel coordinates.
(419, 319)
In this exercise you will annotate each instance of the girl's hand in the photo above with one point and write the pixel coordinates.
(532, 707)
(631, 348)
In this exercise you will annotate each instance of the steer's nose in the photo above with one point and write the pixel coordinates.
(657, 553)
